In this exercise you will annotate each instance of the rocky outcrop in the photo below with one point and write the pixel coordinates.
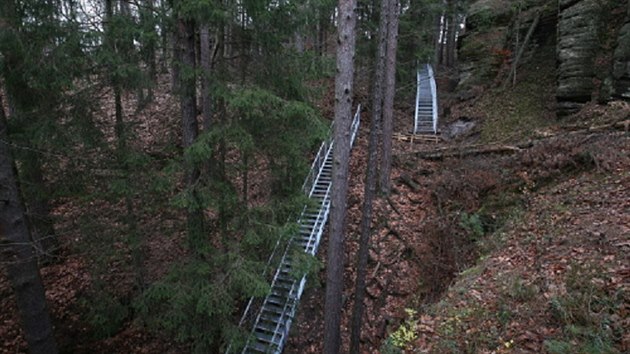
(621, 61)
(578, 29)
(583, 33)
(485, 34)
(488, 43)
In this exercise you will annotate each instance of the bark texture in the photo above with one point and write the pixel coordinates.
(38, 208)
(388, 98)
(346, 39)
(437, 45)
(31, 172)
(370, 180)
(206, 99)
(190, 129)
(451, 45)
(17, 251)
(521, 50)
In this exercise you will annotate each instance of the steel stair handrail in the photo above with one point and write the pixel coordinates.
(434, 98)
(311, 244)
(426, 117)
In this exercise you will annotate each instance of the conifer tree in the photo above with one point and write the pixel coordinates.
(31, 105)
(370, 179)
(148, 39)
(185, 44)
(123, 73)
(15, 248)
(346, 39)
(388, 99)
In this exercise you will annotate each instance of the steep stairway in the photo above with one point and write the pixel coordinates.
(273, 317)
(426, 115)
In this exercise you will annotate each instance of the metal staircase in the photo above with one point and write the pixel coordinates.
(273, 318)
(426, 116)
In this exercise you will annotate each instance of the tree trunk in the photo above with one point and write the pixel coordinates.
(166, 34)
(439, 37)
(18, 254)
(370, 180)
(134, 238)
(451, 40)
(388, 99)
(147, 20)
(245, 180)
(443, 34)
(177, 62)
(346, 39)
(321, 34)
(299, 41)
(206, 62)
(188, 107)
(37, 197)
(119, 125)
(521, 50)
(124, 8)
(38, 206)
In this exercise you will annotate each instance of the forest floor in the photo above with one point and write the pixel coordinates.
(512, 238)
(523, 250)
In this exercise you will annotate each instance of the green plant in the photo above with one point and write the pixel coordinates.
(195, 301)
(304, 264)
(406, 333)
(105, 312)
(504, 314)
(520, 290)
(484, 19)
(388, 347)
(472, 224)
(586, 315)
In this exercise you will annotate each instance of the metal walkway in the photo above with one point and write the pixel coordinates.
(426, 116)
(273, 319)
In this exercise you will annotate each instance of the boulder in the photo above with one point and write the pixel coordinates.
(621, 61)
(579, 25)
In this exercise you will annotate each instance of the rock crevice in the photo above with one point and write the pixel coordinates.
(621, 61)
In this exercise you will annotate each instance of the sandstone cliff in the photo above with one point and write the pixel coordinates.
(591, 39)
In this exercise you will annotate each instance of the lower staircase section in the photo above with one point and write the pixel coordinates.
(273, 318)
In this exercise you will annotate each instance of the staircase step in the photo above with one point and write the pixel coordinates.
(267, 327)
(279, 292)
(255, 347)
(284, 285)
(276, 300)
(268, 337)
(271, 317)
(274, 308)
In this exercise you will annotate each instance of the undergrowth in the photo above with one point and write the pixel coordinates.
(480, 201)
(516, 113)
(586, 314)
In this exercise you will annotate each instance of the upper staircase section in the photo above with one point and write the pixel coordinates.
(271, 321)
(426, 115)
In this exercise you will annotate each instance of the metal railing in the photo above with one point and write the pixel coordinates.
(324, 149)
(434, 98)
(426, 90)
(255, 305)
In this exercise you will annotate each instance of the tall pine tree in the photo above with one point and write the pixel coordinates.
(344, 82)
